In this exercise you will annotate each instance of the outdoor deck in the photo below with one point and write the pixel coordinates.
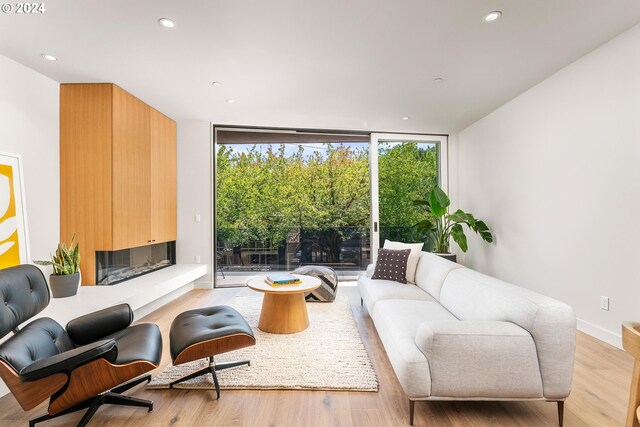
(239, 278)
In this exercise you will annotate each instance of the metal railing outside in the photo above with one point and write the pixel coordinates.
(345, 249)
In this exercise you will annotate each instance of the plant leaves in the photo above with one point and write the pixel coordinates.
(76, 258)
(457, 232)
(66, 259)
(424, 226)
(483, 231)
(458, 216)
(57, 267)
(438, 201)
(470, 220)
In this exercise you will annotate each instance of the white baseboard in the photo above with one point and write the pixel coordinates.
(600, 333)
(203, 285)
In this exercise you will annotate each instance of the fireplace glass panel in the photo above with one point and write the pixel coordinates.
(117, 266)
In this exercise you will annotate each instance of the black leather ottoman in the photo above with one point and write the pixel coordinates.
(206, 332)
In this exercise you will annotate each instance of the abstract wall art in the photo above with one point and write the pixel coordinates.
(14, 247)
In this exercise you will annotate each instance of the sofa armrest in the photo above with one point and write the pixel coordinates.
(480, 359)
(69, 360)
(370, 269)
(99, 324)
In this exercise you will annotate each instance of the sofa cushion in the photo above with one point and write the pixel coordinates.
(480, 359)
(370, 269)
(414, 256)
(373, 291)
(470, 295)
(392, 265)
(397, 322)
(431, 272)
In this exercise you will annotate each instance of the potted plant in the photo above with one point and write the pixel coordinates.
(65, 279)
(440, 225)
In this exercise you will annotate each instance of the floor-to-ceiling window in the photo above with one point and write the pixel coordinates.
(284, 199)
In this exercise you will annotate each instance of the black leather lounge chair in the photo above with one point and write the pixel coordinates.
(89, 364)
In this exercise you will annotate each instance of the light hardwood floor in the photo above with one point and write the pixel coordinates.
(599, 397)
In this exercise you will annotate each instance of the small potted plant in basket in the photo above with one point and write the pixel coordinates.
(65, 279)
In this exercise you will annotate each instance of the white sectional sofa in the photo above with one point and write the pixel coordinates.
(457, 334)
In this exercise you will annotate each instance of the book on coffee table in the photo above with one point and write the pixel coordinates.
(282, 279)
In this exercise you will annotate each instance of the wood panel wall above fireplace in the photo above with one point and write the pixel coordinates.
(117, 172)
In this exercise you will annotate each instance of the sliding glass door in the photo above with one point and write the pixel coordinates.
(404, 168)
(285, 199)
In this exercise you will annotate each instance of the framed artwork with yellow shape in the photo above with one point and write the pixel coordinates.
(14, 245)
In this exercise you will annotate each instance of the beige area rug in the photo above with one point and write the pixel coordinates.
(328, 355)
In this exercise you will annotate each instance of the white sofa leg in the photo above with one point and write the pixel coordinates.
(411, 407)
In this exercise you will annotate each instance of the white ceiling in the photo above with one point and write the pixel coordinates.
(334, 64)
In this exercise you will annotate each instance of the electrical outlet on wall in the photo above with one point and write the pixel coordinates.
(197, 259)
(196, 217)
(604, 303)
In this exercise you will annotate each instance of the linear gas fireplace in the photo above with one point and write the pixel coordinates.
(117, 266)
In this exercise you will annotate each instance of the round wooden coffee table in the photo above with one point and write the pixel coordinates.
(284, 310)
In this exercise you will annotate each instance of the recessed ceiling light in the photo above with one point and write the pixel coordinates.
(49, 57)
(438, 80)
(406, 118)
(230, 101)
(492, 16)
(216, 84)
(166, 22)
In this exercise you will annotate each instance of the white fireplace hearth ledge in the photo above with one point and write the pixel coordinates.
(138, 293)
(144, 294)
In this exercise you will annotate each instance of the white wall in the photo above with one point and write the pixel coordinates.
(195, 196)
(556, 175)
(29, 126)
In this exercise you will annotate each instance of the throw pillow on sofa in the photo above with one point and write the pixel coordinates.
(414, 256)
(392, 265)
